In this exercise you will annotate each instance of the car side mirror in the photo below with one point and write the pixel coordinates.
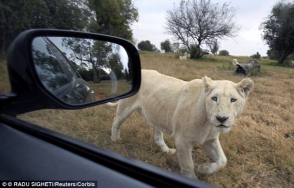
(79, 71)
(60, 69)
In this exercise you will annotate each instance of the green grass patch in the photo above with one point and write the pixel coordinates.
(276, 64)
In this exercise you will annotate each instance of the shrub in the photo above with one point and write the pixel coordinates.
(145, 46)
(224, 53)
(166, 46)
(256, 56)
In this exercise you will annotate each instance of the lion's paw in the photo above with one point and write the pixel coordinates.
(206, 168)
(115, 138)
(171, 151)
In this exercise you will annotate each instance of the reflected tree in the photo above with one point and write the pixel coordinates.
(96, 57)
(90, 56)
(116, 65)
(49, 70)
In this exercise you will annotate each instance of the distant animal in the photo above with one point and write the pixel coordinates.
(192, 112)
(253, 63)
(186, 56)
(246, 68)
(235, 62)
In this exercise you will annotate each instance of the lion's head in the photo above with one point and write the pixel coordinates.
(225, 100)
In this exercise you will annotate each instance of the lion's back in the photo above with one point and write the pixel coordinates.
(154, 83)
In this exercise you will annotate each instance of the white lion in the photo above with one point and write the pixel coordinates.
(235, 62)
(195, 111)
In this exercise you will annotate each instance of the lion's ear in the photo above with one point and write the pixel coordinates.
(245, 86)
(207, 82)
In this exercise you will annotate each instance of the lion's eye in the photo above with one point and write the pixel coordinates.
(214, 98)
(233, 100)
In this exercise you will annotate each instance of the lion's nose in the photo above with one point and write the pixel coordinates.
(221, 118)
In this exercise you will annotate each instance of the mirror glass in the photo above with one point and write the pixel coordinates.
(79, 70)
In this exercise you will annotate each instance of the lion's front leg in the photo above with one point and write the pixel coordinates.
(158, 138)
(216, 154)
(184, 153)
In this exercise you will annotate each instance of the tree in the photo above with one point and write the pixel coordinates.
(20, 15)
(113, 17)
(176, 47)
(272, 54)
(87, 53)
(214, 46)
(116, 65)
(197, 22)
(278, 30)
(224, 53)
(145, 46)
(166, 46)
(67, 14)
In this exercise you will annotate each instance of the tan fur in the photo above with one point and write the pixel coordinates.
(189, 111)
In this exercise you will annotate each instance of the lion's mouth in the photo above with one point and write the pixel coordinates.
(222, 126)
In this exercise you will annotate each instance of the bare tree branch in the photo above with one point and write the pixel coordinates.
(198, 22)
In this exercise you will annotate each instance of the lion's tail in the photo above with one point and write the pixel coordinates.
(112, 103)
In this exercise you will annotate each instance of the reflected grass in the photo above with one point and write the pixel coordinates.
(107, 88)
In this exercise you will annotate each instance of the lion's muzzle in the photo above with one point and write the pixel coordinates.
(222, 123)
(221, 119)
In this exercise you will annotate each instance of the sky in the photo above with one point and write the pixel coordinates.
(249, 15)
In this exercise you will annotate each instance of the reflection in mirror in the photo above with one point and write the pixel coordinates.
(79, 70)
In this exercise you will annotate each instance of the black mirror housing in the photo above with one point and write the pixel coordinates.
(28, 93)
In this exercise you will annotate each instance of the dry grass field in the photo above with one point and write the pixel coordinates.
(259, 148)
